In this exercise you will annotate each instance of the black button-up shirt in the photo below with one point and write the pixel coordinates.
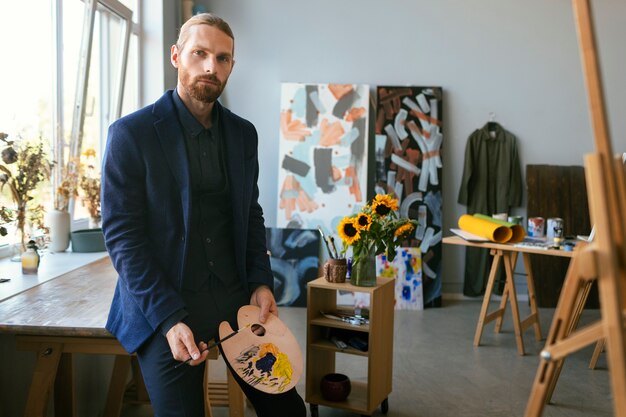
(204, 149)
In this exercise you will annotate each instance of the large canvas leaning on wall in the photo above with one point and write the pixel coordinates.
(406, 268)
(294, 261)
(322, 154)
(408, 164)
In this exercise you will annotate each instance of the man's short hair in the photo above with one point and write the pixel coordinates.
(202, 19)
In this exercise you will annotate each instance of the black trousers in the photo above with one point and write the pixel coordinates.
(179, 392)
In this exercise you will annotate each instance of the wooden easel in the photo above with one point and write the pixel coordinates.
(604, 259)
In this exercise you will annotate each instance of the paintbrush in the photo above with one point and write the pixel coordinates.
(334, 248)
(212, 345)
(330, 253)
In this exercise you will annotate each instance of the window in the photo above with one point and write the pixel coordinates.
(72, 69)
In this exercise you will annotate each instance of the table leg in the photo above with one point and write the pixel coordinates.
(505, 296)
(510, 283)
(532, 297)
(64, 395)
(117, 386)
(48, 357)
(482, 318)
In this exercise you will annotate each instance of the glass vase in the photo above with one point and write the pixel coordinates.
(364, 270)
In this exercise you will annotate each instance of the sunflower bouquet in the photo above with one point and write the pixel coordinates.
(375, 230)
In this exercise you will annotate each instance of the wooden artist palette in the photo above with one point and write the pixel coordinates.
(271, 362)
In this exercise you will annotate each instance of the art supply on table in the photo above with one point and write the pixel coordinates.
(518, 232)
(325, 242)
(536, 227)
(335, 270)
(271, 363)
(500, 216)
(339, 343)
(355, 321)
(256, 329)
(358, 343)
(516, 220)
(554, 230)
(332, 246)
(485, 228)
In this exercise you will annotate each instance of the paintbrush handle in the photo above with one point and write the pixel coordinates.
(330, 253)
(333, 247)
(211, 346)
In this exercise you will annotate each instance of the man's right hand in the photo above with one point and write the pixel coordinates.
(183, 346)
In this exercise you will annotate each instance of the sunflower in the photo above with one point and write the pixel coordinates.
(364, 221)
(403, 230)
(349, 230)
(383, 204)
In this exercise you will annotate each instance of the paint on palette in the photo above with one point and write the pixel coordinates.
(409, 138)
(265, 365)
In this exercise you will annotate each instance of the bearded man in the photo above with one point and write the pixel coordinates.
(184, 228)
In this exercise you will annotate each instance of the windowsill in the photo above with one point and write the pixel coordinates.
(52, 265)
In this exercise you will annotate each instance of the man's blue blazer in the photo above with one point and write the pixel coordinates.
(146, 207)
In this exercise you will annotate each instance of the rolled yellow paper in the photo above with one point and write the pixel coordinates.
(485, 228)
(518, 230)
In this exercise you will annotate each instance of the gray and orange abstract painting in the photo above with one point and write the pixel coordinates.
(322, 154)
(408, 144)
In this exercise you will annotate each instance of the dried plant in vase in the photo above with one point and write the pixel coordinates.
(7, 216)
(68, 186)
(89, 184)
(24, 167)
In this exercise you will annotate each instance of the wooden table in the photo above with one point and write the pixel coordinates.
(508, 253)
(60, 317)
(66, 315)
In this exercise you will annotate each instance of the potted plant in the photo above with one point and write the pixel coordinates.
(89, 184)
(59, 218)
(92, 239)
(376, 229)
(24, 167)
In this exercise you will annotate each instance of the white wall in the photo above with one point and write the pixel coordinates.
(518, 59)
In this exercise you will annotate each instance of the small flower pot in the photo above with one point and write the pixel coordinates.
(88, 240)
(335, 387)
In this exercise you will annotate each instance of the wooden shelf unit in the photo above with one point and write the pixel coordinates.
(321, 356)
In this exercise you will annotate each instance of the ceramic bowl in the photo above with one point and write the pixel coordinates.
(335, 387)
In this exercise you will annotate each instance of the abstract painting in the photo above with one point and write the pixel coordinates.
(322, 154)
(408, 145)
(406, 268)
(295, 261)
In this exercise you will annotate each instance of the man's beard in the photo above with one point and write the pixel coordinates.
(206, 93)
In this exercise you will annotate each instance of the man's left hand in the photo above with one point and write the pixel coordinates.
(263, 298)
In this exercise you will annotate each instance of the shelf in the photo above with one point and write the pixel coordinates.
(330, 346)
(336, 324)
(321, 353)
(346, 286)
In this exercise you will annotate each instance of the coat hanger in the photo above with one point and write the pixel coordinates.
(492, 125)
